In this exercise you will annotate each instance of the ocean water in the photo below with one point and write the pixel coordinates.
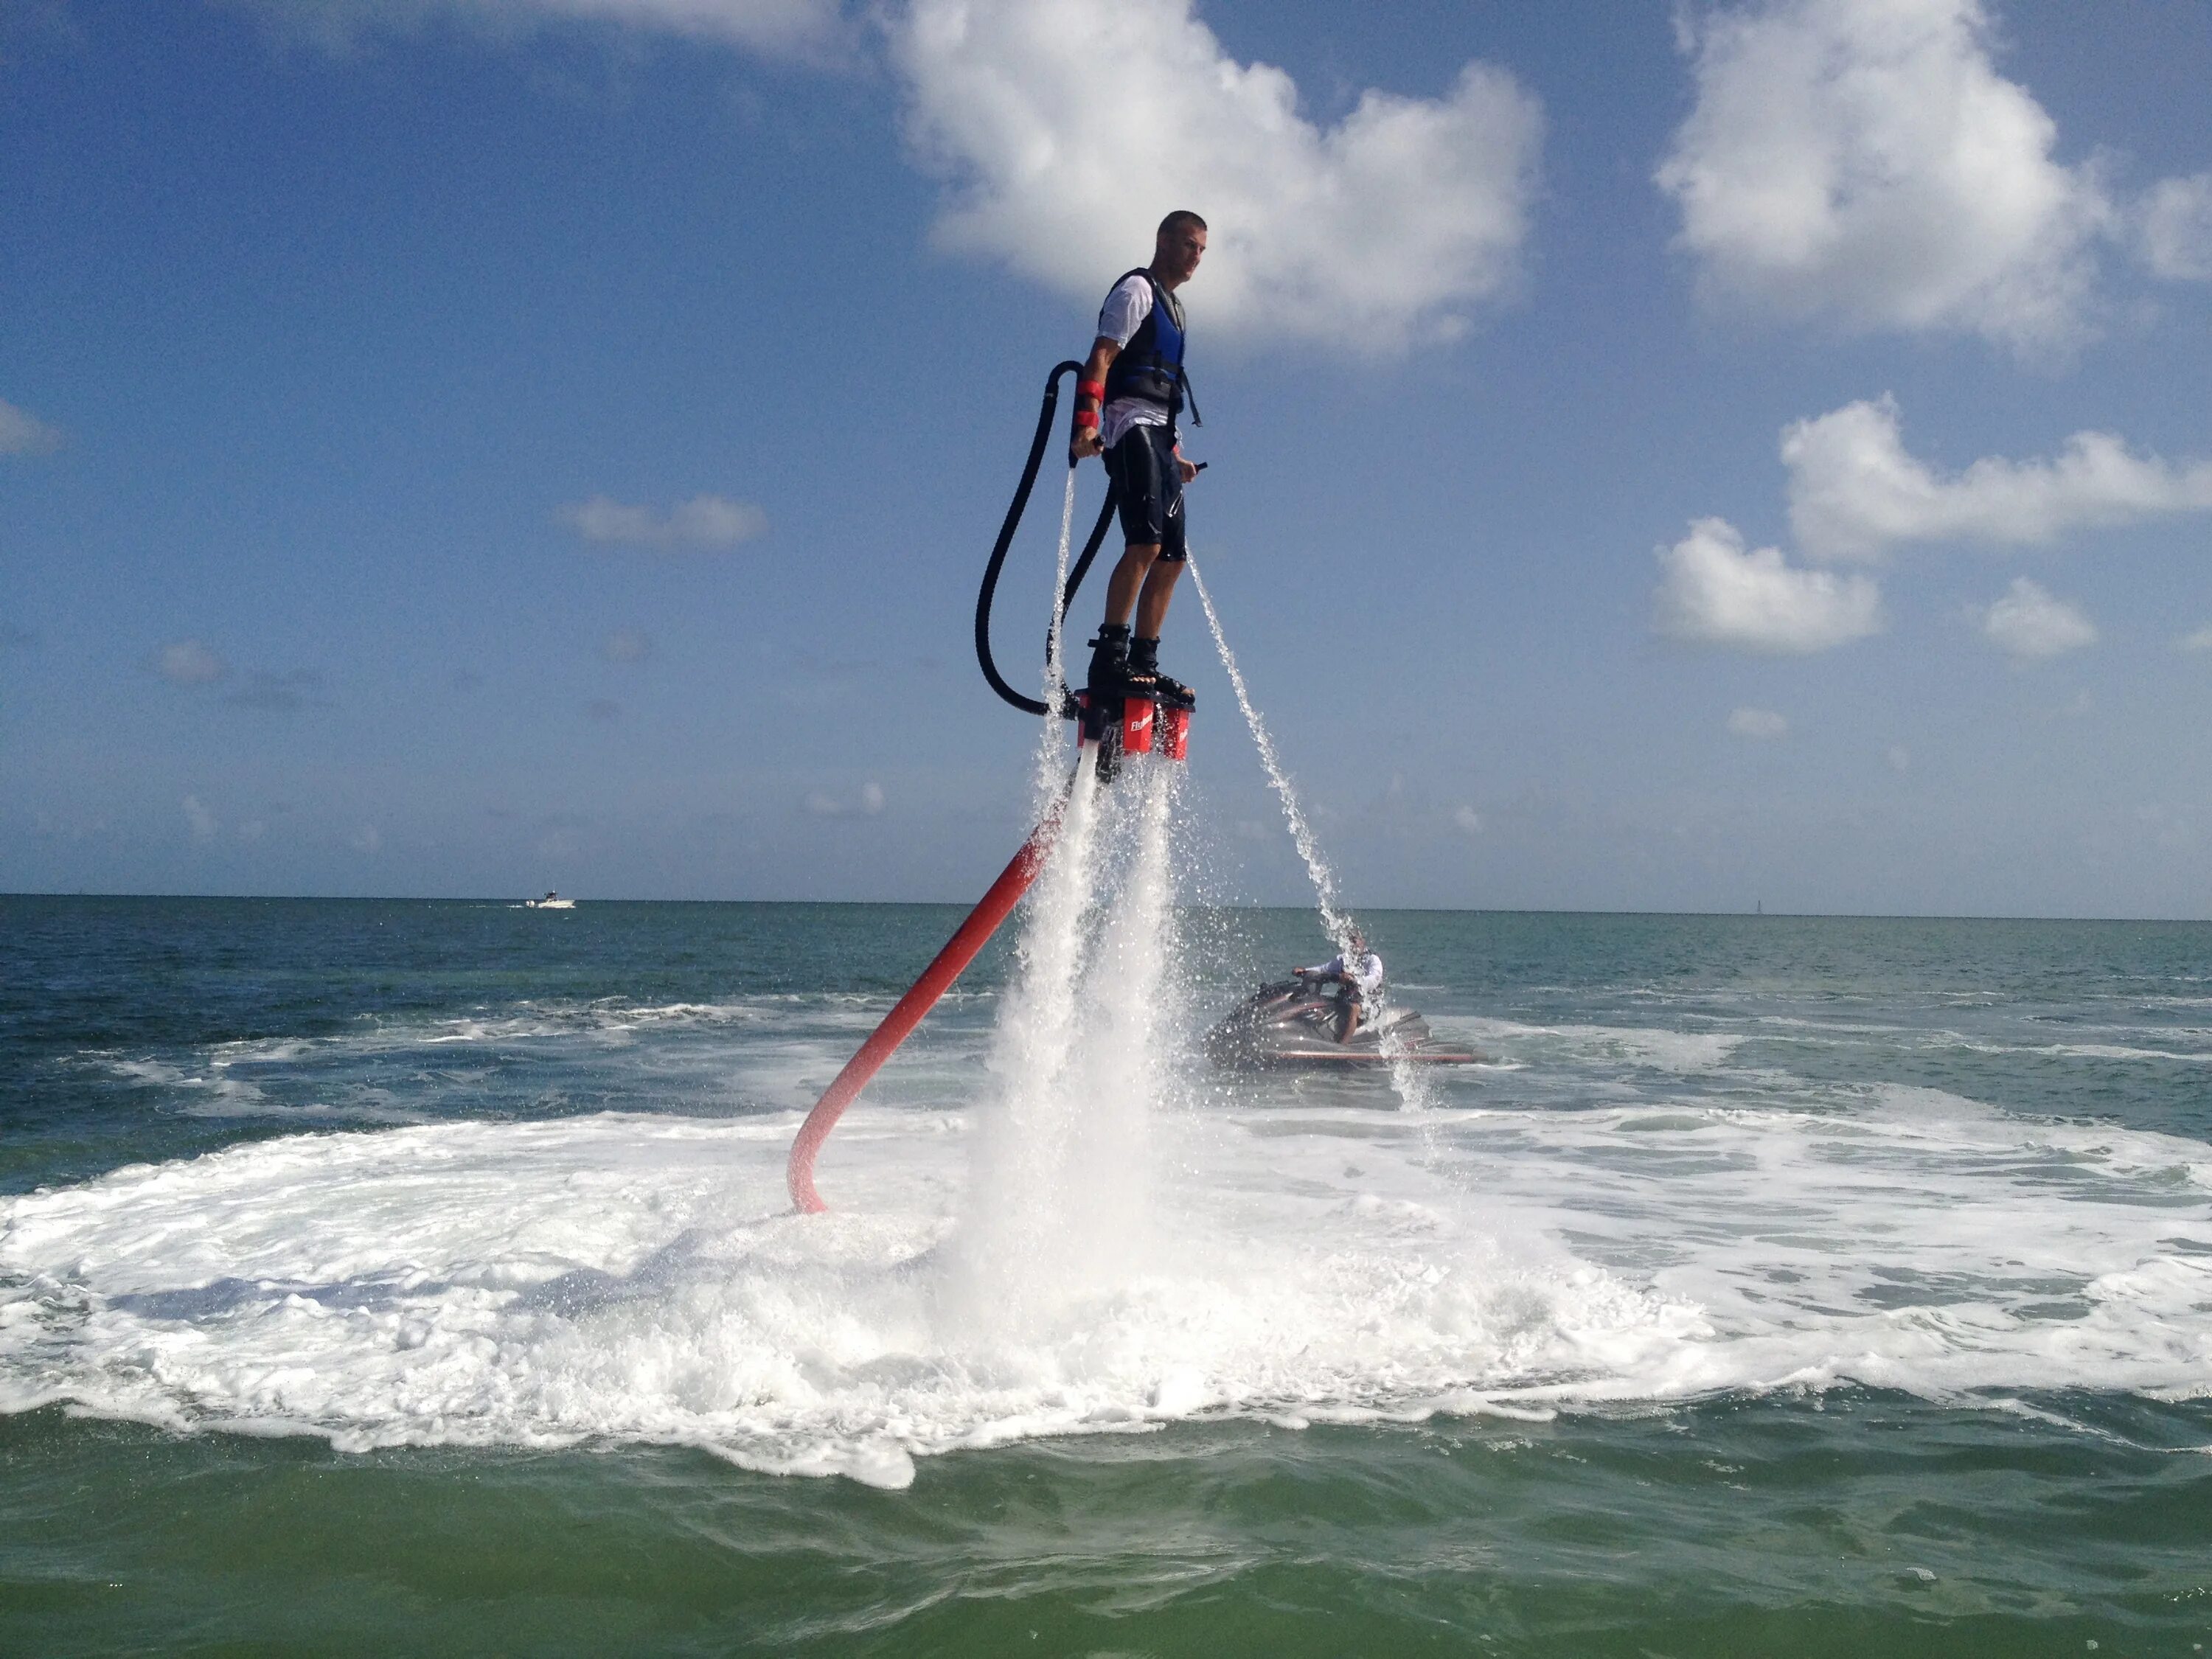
(418, 1278)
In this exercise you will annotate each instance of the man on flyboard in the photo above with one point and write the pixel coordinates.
(1126, 403)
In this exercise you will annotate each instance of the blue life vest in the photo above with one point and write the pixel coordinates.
(1150, 368)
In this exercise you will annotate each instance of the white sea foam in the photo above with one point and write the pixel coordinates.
(762, 1051)
(603, 1022)
(1938, 1037)
(637, 1278)
(1651, 1047)
(206, 1090)
(2112, 1051)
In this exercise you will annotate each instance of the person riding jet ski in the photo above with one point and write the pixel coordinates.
(1360, 971)
(1328, 1018)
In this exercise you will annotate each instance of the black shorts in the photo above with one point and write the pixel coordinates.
(1143, 468)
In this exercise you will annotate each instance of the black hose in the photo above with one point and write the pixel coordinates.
(1014, 520)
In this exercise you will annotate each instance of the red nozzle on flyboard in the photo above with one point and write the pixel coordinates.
(1175, 732)
(1136, 725)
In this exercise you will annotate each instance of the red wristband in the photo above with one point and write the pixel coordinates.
(1087, 419)
(1092, 389)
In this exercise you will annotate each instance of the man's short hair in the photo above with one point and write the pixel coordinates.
(1176, 221)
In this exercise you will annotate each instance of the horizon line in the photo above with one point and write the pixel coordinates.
(1757, 914)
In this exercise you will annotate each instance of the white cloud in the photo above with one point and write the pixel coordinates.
(704, 522)
(1763, 724)
(366, 839)
(201, 820)
(1066, 129)
(1854, 491)
(776, 26)
(869, 805)
(1715, 593)
(2200, 640)
(23, 433)
(2029, 624)
(1467, 819)
(188, 662)
(626, 645)
(1899, 758)
(2174, 229)
(1863, 160)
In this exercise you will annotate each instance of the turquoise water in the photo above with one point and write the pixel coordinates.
(415, 1277)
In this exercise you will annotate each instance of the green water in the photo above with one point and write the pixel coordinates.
(2037, 1478)
(1869, 1525)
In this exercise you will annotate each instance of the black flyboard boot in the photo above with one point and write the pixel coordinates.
(1110, 662)
(1145, 667)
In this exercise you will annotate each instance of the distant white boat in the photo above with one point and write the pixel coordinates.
(550, 902)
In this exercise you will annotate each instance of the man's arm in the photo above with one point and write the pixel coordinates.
(1104, 351)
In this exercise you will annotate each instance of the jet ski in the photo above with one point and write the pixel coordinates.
(1295, 1023)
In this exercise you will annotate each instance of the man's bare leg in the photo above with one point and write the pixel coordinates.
(1132, 574)
(1152, 601)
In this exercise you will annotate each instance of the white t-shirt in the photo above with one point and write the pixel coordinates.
(1119, 319)
(1367, 975)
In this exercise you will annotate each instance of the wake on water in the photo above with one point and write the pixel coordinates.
(623, 1277)
(1077, 1250)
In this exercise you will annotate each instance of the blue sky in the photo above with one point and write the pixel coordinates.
(467, 447)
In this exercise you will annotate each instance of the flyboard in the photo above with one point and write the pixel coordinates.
(1109, 728)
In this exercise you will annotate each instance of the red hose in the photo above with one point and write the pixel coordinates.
(959, 950)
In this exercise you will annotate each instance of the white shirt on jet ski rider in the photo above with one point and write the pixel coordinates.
(1365, 973)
